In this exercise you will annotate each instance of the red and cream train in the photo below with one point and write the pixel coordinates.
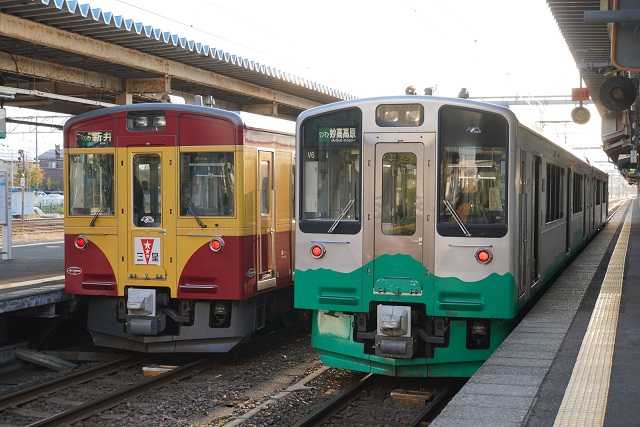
(178, 224)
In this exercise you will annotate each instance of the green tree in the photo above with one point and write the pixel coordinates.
(36, 177)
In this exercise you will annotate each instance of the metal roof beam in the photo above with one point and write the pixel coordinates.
(54, 96)
(43, 35)
(21, 65)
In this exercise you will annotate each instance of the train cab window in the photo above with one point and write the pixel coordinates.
(399, 183)
(330, 189)
(90, 184)
(473, 150)
(147, 190)
(207, 184)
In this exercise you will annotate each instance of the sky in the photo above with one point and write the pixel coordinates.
(375, 48)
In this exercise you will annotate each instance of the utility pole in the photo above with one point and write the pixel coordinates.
(5, 216)
(36, 122)
(23, 180)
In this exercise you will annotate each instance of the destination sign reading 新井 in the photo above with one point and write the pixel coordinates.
(337, 135)
(93, 139)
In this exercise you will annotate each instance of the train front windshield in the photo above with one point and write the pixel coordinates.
(473, 153)
(330, 193)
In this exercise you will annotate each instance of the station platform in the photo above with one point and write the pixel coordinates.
(40, 294)
(572, 360)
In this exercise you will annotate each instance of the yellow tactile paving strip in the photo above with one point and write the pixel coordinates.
(585, 399)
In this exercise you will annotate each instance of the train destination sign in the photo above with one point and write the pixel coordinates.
(346, 135)
(93, 139)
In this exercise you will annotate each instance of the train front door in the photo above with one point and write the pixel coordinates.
(266, 223)
(151, 221)
(398, 218)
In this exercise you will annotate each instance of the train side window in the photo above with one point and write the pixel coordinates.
(90, 184)
(147, 191)
(577, 193)
(265, 187)
(207, 184)
(399, 186)
(555, 179)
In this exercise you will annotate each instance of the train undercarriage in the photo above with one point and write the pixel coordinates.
(152, 322)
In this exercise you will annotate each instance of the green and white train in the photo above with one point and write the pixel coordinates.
(424, 225)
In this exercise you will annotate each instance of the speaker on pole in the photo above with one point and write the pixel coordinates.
(618, 93)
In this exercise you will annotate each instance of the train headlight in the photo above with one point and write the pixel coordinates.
(484, 256)
(146, 120)
(318, 251)
(216, 244)
(158, 121)
(81, 243)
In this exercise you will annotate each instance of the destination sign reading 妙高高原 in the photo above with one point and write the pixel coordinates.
(345, 135)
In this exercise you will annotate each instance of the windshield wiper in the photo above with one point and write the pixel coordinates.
(455, 216)
(95, 217)
(342, 215)
(192, 210)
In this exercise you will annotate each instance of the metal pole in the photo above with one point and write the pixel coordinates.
(24, 174)
(7, 253)
(36, 122)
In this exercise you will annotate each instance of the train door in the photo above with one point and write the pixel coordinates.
(398, 217)
(588, 210)
(152, 221)
(266, 221)
(568, 210)
(537, 165)
(583, 190)
(524, 226)
(594, 199)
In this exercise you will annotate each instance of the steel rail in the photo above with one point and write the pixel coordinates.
(88, 409)
(31, 393)
(438, 399)
(614, 210)
(336, 403)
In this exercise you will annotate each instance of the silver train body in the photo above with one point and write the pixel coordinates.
(540, 205)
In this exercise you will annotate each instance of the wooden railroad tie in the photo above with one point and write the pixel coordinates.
(414, 397)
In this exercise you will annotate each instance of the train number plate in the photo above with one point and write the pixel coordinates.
(147, 250)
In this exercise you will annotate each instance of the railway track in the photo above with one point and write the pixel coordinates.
(442, 392)
(55, 402)
(39, 225)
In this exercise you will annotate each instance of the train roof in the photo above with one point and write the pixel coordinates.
(403, 99)
(460, 102)
(248, 120)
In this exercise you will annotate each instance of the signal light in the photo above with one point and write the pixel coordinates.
(216, 244)
(81, 243)
(484, 256)
(317, 251)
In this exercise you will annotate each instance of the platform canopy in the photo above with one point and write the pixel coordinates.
(587, 27)
(63, 56)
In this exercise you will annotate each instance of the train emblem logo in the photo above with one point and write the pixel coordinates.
(147, 250)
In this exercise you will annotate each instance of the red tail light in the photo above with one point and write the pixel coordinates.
(81, 243)
(317, 251)
(484, 256)
(216, 244)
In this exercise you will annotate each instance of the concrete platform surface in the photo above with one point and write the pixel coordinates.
(33, 261)
(526, 379)
(32, 293)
